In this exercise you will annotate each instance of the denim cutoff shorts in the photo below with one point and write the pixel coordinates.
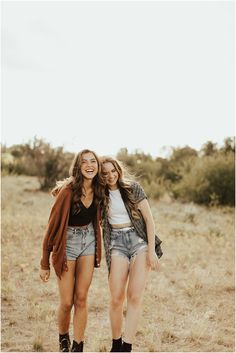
(125, 242)
(80, 242)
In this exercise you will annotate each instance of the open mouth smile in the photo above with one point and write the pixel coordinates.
(89, 171)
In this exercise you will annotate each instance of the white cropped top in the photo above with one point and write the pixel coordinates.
(117, 211)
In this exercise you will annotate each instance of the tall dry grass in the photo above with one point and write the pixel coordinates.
(188, 306)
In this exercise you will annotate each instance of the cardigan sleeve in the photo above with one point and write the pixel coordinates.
(53, 225)
(138, 192)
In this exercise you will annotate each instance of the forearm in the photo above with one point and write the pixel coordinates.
(150, 226)
(149, 221)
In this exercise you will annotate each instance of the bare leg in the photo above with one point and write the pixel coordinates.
(83, 278)
(137, 279)
(117, 283)
(66, 291)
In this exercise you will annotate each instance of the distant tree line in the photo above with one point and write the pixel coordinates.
(205, 177)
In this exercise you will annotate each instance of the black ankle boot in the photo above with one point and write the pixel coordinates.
(64, 342)
(126, 347)
(77, 347)
(116, 345)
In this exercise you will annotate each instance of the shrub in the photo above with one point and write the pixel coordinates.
(38, 158)
(210, 181)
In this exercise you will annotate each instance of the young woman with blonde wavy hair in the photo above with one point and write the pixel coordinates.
(131, 248)
(73, 236)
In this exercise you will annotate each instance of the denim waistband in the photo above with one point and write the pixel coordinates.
(77, 230)
(122, 230)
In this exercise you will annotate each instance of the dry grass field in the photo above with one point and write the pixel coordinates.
(188, 306)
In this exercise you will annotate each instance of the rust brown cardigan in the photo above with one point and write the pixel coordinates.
(55, 237)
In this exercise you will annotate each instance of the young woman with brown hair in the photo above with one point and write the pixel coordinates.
(73, 236)
(131, 248)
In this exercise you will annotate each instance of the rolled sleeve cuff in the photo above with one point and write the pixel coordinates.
(44, 263)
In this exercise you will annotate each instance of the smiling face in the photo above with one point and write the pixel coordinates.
(110, 174)
(89, 165)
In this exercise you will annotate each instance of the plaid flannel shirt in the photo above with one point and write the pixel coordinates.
(138, 224)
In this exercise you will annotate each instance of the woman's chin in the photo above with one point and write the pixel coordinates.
(112, 186)
(89, 176)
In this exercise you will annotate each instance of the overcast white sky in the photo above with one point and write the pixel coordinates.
(107, 75)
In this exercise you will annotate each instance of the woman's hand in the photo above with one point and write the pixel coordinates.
(153, 261)
(44, 275)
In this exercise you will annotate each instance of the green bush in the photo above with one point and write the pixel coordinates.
(37, 158)
(210, 181)
(154, 189)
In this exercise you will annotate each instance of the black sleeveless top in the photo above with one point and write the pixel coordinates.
(85, 215)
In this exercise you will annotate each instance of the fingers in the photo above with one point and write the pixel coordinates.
(44, 276)
(155, 265)
(158, 266)
(44, 279)
(153, 262)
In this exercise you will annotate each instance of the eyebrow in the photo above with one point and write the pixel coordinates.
(89, 159)
(112, 170)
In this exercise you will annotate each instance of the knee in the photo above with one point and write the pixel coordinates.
(133, 298)
(116, 301)
(80, 301)
(66, 306)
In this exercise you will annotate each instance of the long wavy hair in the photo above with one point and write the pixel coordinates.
(76, 180)
(124, 182)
